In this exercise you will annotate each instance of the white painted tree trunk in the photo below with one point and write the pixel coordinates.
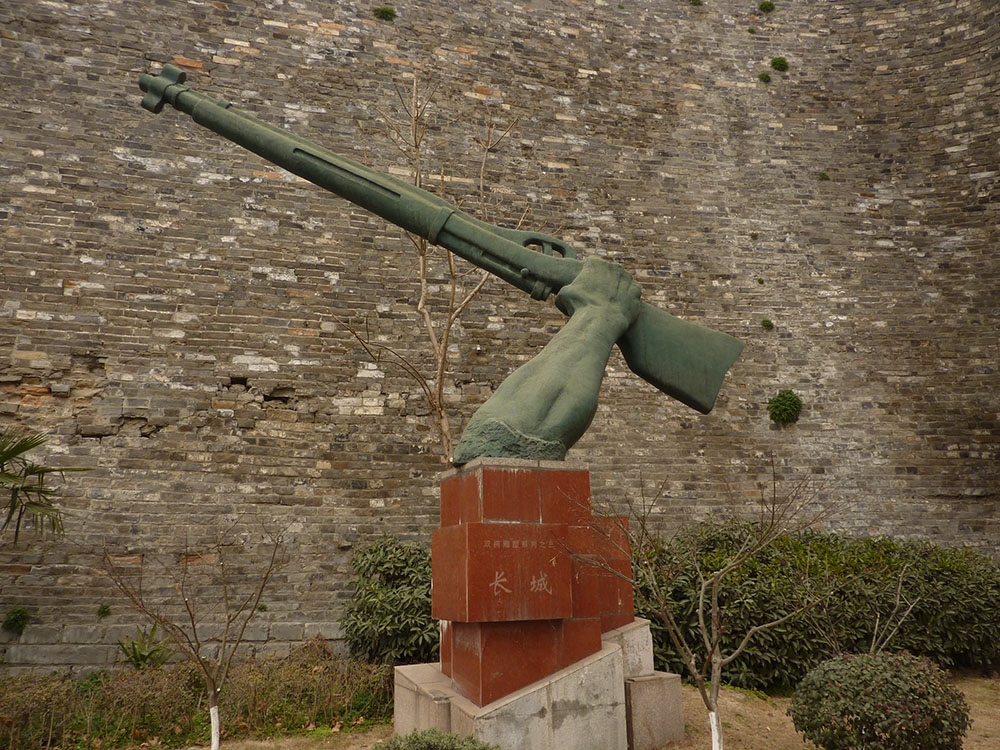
(213, 711)
(715, 721)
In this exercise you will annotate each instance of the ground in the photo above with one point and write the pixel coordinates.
(750, 722)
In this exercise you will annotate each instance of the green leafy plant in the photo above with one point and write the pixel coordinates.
(104, 610)
(765, 77)
(766, 7)
(785, 407)
(388, 618)
(888, 701)
(751, 30)
(779, 63)
(767, 325)
(822, 176)
(145, 650)
(16, 620)
(384, 13)
(696, 2)
(435, 739)
(23, 489)
(949, 596)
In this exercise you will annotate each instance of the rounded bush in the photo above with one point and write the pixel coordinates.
(785, 407)
(779, 63)
(883, 701)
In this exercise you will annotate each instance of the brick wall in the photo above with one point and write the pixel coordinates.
(173, 307)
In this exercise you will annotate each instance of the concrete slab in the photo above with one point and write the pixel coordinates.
(580, 707)
(654, 713)
(636, 643)
(422, 698)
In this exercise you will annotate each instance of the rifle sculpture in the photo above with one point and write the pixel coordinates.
(684, 360)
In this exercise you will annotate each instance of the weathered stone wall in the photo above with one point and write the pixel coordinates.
(174, 309)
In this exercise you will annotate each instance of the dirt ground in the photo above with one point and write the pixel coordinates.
(749, 723)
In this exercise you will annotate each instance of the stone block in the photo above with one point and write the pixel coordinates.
(50, 655)
(83, 634)
(654, 710)
(37, 634)
(565, 496)
(580, 707)
(326, 630)
(492, 659)
(636, 642)
(491, 572)
(421, 699)
(588, 703)
(287, 631)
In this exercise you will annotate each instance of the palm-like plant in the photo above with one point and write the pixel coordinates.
(23, 487)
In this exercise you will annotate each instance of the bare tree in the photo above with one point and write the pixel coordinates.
(439, 317)
(207, 606)
(657, 563)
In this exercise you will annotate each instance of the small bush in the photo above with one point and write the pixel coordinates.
(785, 407)
(435, 739)
(388, 619)
(103, 610)
(822, 177)
(779, 63)
(767, 324)
(888, 701)
(145, 650)
(385, 13)
(16, 620)
(764, 77)
(766, 7)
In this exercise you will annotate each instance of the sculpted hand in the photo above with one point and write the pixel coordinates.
(606, 288)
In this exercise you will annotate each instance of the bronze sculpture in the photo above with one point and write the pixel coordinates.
(541, 409)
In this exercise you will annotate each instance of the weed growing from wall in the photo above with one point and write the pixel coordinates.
(16, 620)
(785, 407)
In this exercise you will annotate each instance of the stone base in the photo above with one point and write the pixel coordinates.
(610, 700)
(581, 707)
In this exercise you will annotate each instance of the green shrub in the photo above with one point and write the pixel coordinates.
(16, 620)
(388, 618)
(435, 739)
(766, 7)
(954, 619)
(765, 77)
(767, 324)
(785, 407)
(385, 13)
(779, 63)
(885, 701)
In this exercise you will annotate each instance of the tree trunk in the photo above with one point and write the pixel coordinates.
(213, 712)
(715, 722)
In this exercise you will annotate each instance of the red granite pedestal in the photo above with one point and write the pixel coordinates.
(526, 577)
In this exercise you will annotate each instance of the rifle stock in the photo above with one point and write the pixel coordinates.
(684, 360)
